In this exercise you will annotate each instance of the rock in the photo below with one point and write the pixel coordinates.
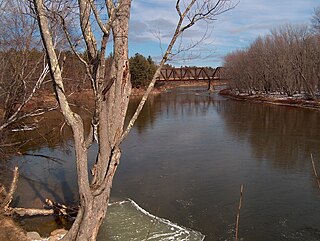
(33, 236)
(57, 234)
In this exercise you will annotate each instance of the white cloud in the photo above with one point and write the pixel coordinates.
(234, 29)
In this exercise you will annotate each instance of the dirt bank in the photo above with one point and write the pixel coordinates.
(10, 231)
(276, 99)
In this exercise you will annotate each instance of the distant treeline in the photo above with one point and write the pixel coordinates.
(20, 70)
(286, 61)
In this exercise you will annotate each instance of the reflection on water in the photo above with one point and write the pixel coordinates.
(284, 135)
(188, 155)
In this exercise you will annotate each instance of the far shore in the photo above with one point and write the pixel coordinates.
(275, 99)
(161, 87)
(84, 98)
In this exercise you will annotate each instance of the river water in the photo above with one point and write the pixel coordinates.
(185, 160)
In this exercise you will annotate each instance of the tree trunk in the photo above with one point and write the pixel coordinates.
(94, 198)
(93, 205)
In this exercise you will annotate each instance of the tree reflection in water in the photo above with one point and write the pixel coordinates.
(282, 135)
(184, 104)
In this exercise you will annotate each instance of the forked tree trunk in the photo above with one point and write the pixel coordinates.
(112, 107)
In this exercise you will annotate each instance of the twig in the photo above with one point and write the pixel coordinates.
(3, 191)
(63, 210)
(238, 213)
(315, 171)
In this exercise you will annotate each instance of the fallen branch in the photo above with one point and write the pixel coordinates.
(54, 208)
(238, 213)
(8, 196)
(29, 211)
(315, 171)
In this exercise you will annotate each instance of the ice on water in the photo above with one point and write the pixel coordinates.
(129, 222)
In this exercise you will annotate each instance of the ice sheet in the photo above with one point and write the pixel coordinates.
(126, 221)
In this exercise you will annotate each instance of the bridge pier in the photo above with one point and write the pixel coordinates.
(211, 87)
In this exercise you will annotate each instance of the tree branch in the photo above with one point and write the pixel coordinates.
(12, 189)
(178, 31)
(153, 81)
(105, 28)
(85, 9)
(14, 117)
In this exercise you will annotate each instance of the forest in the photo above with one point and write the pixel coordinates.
(286, 62)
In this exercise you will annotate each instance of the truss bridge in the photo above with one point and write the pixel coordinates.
(191, 74)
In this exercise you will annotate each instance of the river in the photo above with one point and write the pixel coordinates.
(185, 160)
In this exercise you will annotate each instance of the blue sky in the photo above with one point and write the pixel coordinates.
(152, 22)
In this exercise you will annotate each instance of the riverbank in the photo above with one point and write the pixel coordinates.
(275, 99)
(10, 231)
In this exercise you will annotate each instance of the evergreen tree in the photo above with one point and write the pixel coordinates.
(142, 70)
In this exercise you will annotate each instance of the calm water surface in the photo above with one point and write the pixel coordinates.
(185, 160)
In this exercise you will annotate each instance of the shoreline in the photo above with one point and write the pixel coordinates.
(162, 87)
(85, 97)
(274, 99)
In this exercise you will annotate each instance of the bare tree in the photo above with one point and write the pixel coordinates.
(286, 61)
(315, 20)
(23, 66)
(111, 91)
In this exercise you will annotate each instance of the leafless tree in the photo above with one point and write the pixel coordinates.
(23, 67)
(285, 61)
(111, 90)
(315, 20)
